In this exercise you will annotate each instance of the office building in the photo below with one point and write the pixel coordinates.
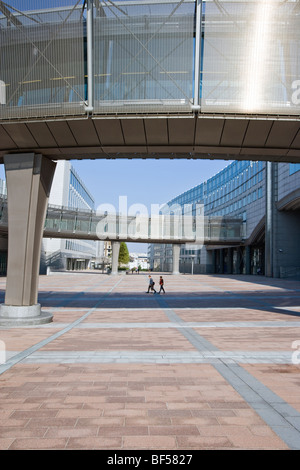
(68, 190)
(241, 190)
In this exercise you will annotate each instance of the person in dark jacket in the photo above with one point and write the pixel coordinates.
(161, 284)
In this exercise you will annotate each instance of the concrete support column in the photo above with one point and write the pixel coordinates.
(230, 261)
(214, 261)
(221, 259)
(238, 261)
(248, 259)
(115, 248)
(176, 255)
(270, 224)
(29, 178)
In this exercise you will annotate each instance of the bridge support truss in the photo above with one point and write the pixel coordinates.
(29, 178)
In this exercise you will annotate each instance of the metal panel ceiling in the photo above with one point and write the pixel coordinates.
(282, 134)
(62, 133)
(42, 134)
(84, 132)
(233, 132)
(176, 137)
(109, 131)
(209, 131)
(5, 140)
(296, 142)
(181, 131)
(156, 131)
(134, 132)
(257, 133)
(21, 135)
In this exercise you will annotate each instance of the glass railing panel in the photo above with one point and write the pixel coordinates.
(250, 57)
(144, 55)
(42, 58)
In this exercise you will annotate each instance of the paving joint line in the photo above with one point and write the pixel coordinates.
(282, 418)
(27, 352)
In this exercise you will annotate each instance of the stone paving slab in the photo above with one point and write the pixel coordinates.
(208, 365)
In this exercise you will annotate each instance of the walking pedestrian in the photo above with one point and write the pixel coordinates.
(161, 284)
(151, 285)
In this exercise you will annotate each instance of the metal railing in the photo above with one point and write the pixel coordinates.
(172, 56)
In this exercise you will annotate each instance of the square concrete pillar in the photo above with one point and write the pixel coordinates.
(115, 246)
(29, 178)
(176, 256)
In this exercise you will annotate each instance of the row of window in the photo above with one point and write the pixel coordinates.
(233, 189)
(234, 180)
(234, 175)
(79, 197)
(76, 201)
(294, 167)
(251, 197)
(74, 245)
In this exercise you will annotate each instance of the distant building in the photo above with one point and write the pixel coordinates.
(3, 188)
(240, 190)
(138, 260)
(68, 190)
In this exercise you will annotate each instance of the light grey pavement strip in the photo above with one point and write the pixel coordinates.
(227, 295)
(277, 413)
(167, 357)
(231, 324)
(27, 352)
(204, 309)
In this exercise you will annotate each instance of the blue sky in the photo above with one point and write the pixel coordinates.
(143, 181)
(24, 5)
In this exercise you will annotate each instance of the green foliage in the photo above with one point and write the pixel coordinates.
(123, 254)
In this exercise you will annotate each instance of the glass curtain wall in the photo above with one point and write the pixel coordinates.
(42, 70)
(250, 56)
(144, 56)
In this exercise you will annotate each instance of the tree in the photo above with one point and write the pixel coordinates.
(123, 254)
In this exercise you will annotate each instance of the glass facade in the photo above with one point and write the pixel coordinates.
(228, 192)
(79, 196)
(237, 56)
(234, 195)
(294, 167)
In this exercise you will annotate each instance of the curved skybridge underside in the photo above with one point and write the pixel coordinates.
(148, 79)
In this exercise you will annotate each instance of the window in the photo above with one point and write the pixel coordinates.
(294, 167)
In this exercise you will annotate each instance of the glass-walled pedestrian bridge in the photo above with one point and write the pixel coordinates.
(149, 78)
(63, 222)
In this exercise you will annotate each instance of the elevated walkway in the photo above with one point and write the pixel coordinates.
(173, 79)
(63, 222)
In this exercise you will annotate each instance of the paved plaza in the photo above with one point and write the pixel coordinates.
(211, 364)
